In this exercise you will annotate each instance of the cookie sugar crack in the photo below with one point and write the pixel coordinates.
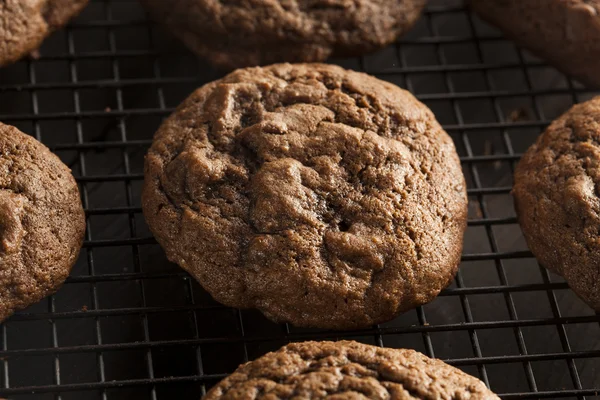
(11, 229)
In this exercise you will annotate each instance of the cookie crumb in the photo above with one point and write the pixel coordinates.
(519, 114)
(35, 55)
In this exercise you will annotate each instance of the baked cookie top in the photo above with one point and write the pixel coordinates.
(321, 196)
(25, 24)
(348, 370)
(556, 196)
(41, 221)
(244, 33)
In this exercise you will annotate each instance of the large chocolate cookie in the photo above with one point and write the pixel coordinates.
(348, 370)
(24, 24)
(242, 33)
(321, 196)
(564, 32)
(41, 221)
(556, 195)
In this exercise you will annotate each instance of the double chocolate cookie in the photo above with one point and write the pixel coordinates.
(321, 196)
(556, 196)
(566, 33)
(25, 24)
(348, 370)
(42, 222)
(243, 33)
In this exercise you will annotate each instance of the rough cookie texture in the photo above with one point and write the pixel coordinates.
(556, 195)
(240, 33)
(25, 24)
(348, 370)
(564, 32)
(41, 221)
(320, 196)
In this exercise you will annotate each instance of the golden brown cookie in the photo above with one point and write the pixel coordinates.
(348, 370)
(321, 196)
(42, 222)
(24, 24)
(243, 33)
(556, 197)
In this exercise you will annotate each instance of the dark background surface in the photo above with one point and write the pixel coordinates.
(130, 325)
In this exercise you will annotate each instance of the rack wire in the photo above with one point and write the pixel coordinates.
(130, 325)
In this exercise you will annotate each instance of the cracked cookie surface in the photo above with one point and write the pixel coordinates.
(321, 196)
(556, 196)
(348, 370)
(41, 221)
(24, 24)
(241, 33)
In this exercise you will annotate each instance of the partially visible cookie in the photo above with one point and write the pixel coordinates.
(348, 370)
(321, 196)
(25, 24)
(556, 191)
(566, 33)
(42, 222)
(242, 33)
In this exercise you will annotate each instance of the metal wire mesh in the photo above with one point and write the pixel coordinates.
(130, 325)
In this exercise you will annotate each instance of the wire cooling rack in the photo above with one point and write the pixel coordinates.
(130, 325)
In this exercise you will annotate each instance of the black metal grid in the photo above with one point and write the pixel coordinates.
(130, 325)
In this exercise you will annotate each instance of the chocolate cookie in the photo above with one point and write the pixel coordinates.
(243, 33)
(348, 370)
(322, 197)
(556, 197)
(25, 24)
(41, 221)
(564, 32)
